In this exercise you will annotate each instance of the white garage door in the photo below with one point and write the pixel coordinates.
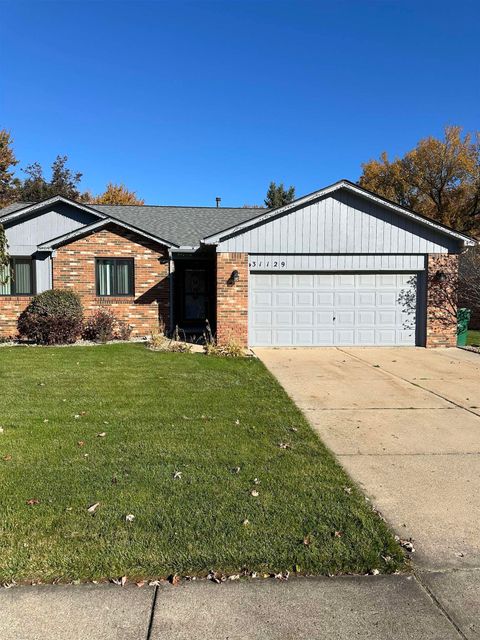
(315, 309)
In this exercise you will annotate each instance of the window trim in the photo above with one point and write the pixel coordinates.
(130, 294)
(33, 278)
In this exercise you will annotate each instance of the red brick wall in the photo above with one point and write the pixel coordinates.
(232, 299)
(441, 301)
(74, 268)
(10, 308)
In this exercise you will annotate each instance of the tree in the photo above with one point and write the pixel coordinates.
(64, 182)
(438, 178)
(117, 194)
(8, 182)
(4, 258)
(277, 195)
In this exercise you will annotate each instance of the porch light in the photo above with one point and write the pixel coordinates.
(235, 277)
(440, 277)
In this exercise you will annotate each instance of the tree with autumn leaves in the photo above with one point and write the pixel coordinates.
(439, 178)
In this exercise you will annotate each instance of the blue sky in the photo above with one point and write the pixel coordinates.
(184, 101)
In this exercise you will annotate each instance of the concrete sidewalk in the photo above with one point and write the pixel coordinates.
(377, 608)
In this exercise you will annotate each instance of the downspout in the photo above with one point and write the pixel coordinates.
(171, 272)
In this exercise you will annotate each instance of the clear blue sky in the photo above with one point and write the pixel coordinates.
(184, 101)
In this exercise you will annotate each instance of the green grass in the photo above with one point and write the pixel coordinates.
(473, 337)
(164, 413)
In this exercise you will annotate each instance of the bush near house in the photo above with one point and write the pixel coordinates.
(104, 326)
(52, 317)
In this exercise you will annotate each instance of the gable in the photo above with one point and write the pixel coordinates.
(26, 233)
(343, 222)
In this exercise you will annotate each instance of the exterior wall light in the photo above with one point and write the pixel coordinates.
(440, 277)
(235, 277)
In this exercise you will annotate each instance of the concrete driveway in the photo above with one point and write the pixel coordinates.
(405, 424)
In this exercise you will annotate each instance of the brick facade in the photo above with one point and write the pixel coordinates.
(232, 298)
(441, 301)
(73, 267)
(10, 308)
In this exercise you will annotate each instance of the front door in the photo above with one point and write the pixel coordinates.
(196, 298)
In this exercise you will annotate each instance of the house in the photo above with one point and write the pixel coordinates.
(340, 266)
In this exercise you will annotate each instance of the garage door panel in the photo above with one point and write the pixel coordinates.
(364, 336)
(282, 318)
(304, 337)
(365, 318)
(262, 318)
(283, 338)
(304, 298)
(324, 337)
(304, 318)
(344, 298)
(262, 299)
(283, 281)
(303, 281)
(325, 318)
(324, 299)
(308, 309)
(386, 317)
(282, 299)
(345, 318)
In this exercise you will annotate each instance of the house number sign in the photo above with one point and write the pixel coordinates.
(267, 263)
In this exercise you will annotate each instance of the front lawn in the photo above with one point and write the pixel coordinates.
(176, 441)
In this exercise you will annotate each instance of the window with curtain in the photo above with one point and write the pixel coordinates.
(17, 278)
(115, 277)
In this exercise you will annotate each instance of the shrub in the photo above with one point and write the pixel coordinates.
(52, 317)
(159, 342)
(230, 349)
(100, 326)
(123, 330)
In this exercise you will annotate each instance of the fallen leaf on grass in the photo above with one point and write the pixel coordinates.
(374, 572)
(347, 490)
(33, 501)
(285, 445)
(307, 541)
(154, 583)
(140, 583)
(177, 475)
(234, 576)
(121, 582)
(215, 577)
(129, 517)
(282, 576)
(174, 579)
(81, 443)
(246, 522)
(7, 458)
(406, 544)
(236, 470)
(101, 435)
(338, 534)
(254, 493)
(2, 429)
(91, 508)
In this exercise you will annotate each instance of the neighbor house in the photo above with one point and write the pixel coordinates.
(340, 266)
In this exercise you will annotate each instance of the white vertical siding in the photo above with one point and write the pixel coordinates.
(342, 223)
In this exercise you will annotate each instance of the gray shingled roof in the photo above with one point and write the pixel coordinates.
(182, 226)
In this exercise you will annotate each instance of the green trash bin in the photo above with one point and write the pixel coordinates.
(463, 318)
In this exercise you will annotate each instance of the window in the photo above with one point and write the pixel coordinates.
(115, 277)
(18, 276)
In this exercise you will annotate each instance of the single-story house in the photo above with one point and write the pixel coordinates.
(340, 266)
